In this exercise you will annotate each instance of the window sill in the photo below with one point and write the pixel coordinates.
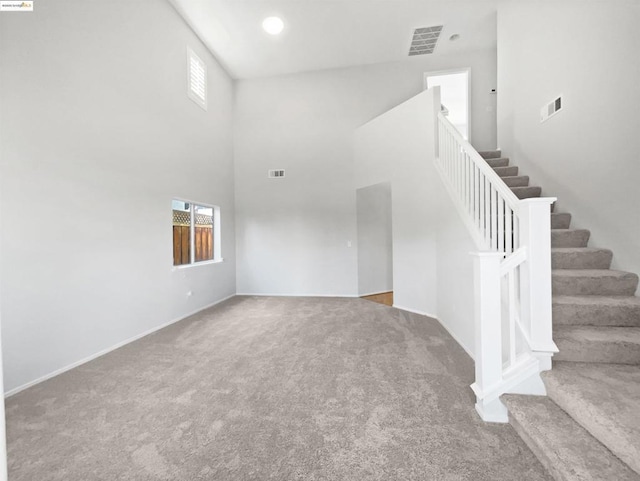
(196, 264)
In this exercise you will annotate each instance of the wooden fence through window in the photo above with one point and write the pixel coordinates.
(203, 239)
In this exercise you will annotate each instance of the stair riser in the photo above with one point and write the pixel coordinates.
(560, 221)
(596, 351)
(577, 315)
(490, 154)
(574, 238)
(500, 162)
(511, 171)
(518, 181)
(581, 260)
(594, 286)
(526, 192)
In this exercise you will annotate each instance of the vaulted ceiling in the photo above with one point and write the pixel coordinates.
(324, 34)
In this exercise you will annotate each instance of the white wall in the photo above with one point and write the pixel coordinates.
(292, 234)
(455, 272)
(432, 268)
(454, 95)
(588, 154)
(375, 246)
(98, 135)
(398, 147)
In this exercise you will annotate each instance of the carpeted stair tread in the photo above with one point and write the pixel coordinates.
(564, 447)
(596, 373)
(510, 171)
(516, 181)
(604, 399)
(498, 161)
(604, 344)
(526, 192)
(569, 237)
(580, 258)
(593, 282)
(490, 154)
(621, 311)
(560, 220)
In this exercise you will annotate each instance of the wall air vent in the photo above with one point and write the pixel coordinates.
(276, 174)
(550, 109)
(424, 40)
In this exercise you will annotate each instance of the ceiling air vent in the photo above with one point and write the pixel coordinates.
(424, 40)
(276, 174)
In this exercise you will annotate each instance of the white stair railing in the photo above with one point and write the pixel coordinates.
(512, 274)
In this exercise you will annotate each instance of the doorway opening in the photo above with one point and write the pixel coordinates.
(454, 96)
(375, 243)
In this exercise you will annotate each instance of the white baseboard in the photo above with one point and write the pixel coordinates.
(414, 311)
(108, 350)
(375, 293)
(262, 294)
(455, 338)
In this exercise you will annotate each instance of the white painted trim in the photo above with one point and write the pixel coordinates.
(493, 411)
(375, 293)
(414, 311)
(109, 349)
(198, 263)
(262, 294)
(217, 234)
(517, 381)
(3, 430)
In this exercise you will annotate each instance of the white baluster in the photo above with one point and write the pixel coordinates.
(501, 215)
(482, 206)
(511, 282)
(508, 230)
(467, 183)
(494, 218)
(487, 211)
(458, 161)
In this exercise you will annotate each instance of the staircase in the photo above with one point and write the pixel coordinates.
(588, 428)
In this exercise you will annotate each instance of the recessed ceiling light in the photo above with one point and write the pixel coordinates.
(273, 25)
(454, 37)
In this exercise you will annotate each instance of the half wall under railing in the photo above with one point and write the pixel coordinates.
(512, 273)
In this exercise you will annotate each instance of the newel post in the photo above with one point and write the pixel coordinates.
(535, 286)
(488, 335)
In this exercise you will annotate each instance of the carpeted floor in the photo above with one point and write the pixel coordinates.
(269, 388)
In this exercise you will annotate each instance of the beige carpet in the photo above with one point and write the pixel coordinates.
(269, 389)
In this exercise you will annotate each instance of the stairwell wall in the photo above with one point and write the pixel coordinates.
(432, 265)
(97, 136)
(293, 233)
(588, 155)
